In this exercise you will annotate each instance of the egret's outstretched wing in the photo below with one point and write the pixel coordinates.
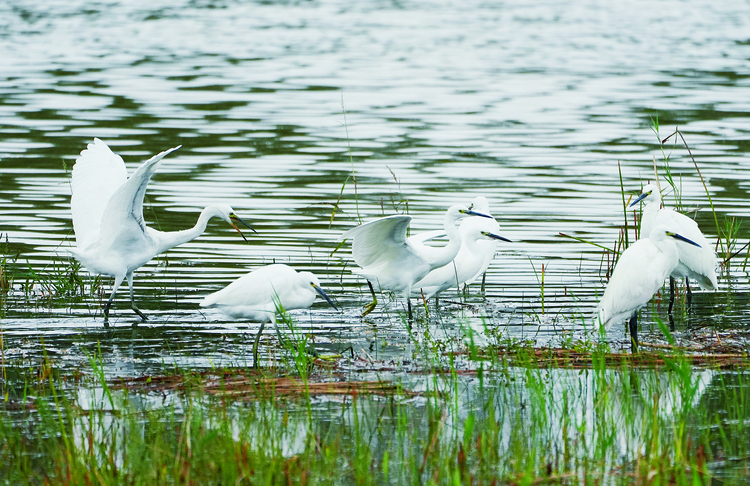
(97, 174)
(254, 289)
(125, 207)
(377, 239)
(421, 238)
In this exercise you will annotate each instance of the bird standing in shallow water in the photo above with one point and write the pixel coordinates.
(107, 207)
(264, 291)
(479, 240)
(698, 263)
(639, 273)
(394, 262)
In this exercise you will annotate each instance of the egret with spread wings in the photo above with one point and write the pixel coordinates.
(394, 262)
(107, 207)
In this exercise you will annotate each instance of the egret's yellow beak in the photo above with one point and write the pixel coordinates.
(233, 217)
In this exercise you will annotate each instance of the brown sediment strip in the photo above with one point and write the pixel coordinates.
(568, 358)
(251, 384)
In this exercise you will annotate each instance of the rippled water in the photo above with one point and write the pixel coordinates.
(532, 106)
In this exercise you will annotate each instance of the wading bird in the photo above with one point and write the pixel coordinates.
(264, 291)
(394, 262)
(698, 263)
(478, 245)
(107, 207)
(639, 273)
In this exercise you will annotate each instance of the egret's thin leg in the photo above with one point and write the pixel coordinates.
(411, 316)
(484, 276)
(132, 300)
(371, 306)
(689, 293)
(255, 345)
(671, 295)
(118, 281)
(634, 333)
(437, 302)
(282, 341)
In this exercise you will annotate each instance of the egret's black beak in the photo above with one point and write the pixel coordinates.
(680, 237)
(495, 237)
(323, 294)
(469, 212)
(639, 199)
(233, 217)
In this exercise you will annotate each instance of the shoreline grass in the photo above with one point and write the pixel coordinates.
(519, 417)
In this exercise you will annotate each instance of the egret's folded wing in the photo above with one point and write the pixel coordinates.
(126, 204)
(255, 288)
(376, 239)
(97, 174)
(639, 273)
(698, 263)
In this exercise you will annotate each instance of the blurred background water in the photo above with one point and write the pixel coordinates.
(277, 105)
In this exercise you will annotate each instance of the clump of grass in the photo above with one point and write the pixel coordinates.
(727, 231)
(7, 264)
(60, 279)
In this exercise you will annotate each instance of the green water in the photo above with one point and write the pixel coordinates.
(278, 104)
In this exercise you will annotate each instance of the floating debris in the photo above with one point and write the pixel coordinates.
(251, 384)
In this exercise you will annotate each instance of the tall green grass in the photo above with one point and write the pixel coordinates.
(499, 424)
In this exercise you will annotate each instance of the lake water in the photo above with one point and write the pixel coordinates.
(278, 104)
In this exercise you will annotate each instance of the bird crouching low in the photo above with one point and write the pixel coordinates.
(260, 294)
(107, 210)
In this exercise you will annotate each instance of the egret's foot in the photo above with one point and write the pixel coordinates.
(328, 358)
(369, 308)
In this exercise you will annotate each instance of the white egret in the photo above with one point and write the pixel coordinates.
(395, 263)
(697, 263)
(264, 291)
(478, 245)
(107, 207)
(639, 274)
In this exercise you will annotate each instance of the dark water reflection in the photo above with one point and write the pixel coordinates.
(531, 106)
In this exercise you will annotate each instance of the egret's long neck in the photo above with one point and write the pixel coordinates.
(442, 256)
(648, 219)
(668, 246)
(170, 239)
